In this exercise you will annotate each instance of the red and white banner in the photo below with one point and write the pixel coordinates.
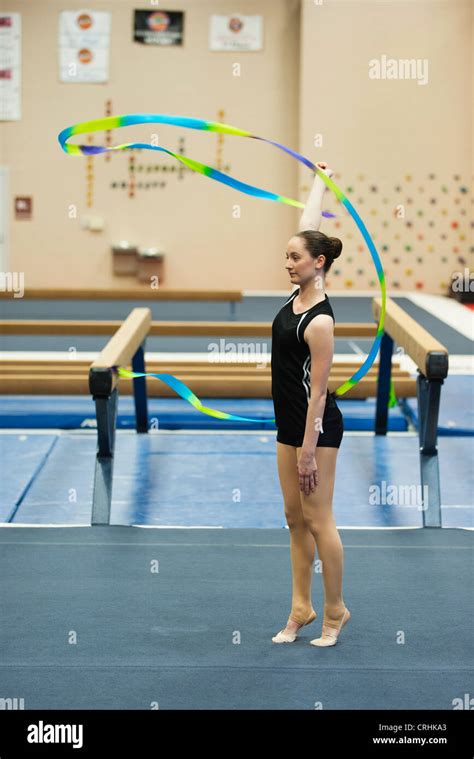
(10, 66)
(84, 41)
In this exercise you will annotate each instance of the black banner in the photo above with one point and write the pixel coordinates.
(159, 27)
(415, 733)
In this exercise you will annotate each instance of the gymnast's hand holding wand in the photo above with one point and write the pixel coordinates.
(311, 216)
(311, 219)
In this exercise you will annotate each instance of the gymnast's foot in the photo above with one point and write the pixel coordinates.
(289, 633)
(334, 621)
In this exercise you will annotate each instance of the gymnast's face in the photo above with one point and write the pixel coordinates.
(300, 264)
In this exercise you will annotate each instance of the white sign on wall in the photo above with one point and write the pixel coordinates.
(84, 41)
(10, 66)
(236, 32)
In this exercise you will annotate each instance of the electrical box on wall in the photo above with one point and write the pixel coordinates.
(94, 223)
(23, 208)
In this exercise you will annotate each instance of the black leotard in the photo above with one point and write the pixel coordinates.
(291, 378)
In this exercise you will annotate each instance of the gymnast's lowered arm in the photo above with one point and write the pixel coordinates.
(311, 216)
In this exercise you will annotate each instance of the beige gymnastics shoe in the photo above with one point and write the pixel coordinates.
(286, 637)
(330, 634)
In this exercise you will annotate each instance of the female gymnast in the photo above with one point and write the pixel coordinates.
(309, 423)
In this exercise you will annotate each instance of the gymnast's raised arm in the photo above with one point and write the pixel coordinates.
(311, 216)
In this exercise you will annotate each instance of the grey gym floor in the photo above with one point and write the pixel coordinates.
(124, 617)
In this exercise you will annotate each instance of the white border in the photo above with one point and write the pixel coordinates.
(188, 431)
(458, 363)
(339, 293)
(447, 310)
(246, 545)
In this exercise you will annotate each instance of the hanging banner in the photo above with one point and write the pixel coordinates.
(159, 27)
(10, 66)
(236, 32)
(84, 41)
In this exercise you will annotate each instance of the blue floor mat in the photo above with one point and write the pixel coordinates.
(182, 619)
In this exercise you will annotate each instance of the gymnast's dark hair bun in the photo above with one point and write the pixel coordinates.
(336, 246)
(317, 243)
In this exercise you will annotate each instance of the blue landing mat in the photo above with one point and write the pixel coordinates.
(226, 480)
(68, 412)
(456, 410)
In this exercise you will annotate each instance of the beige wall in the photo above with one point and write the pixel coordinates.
(191, 219)
(382, 134)
(393, 142)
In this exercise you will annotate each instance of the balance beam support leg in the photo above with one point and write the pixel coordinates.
(383, 384)
(429, 392)
(139, 390)
(106, 411)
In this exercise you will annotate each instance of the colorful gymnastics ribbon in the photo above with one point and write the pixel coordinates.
(115, 122)
(187, 394)
(392, 398)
